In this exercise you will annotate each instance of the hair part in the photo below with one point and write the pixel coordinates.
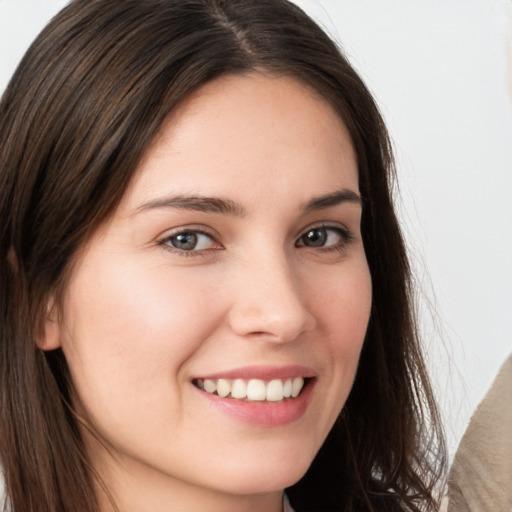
(78, 115)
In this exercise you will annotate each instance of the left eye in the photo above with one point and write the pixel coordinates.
(323, 236)
(190, 241)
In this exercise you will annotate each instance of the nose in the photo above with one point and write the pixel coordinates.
(270, 301)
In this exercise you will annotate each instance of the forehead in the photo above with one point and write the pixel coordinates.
(244, 131)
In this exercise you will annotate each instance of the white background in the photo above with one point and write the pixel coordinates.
(439, 70)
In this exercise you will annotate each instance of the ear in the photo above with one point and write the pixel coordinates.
(51, 336)
(12, 259)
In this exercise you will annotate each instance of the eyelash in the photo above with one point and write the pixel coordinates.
(166, 242)
(345, 235)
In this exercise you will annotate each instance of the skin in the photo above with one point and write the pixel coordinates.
(140, 319)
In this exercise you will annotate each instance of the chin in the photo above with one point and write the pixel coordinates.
(269, 476)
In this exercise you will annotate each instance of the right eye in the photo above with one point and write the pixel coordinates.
(189, 241)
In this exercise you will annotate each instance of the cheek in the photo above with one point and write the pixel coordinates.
(342, 304)
(345, 312)
(131, 327)
(344, 309)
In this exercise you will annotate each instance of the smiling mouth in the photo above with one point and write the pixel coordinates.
(252, 390)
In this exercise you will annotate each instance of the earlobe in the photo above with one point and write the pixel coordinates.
(51, 336)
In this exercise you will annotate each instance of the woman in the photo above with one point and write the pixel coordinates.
(197, 222)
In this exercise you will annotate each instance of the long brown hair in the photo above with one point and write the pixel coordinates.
(78, 114)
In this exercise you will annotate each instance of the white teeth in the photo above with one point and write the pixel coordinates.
(287, 388)
(223, 388)
(239, 389)
(297, 385)
(254, 389)
(210, 386)
(274, 390)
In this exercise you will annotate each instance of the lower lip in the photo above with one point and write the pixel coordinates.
(264, 413)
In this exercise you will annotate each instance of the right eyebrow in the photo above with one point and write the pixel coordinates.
(196, 203)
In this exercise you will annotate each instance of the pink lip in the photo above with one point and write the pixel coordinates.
(265, 414)
(263, 373)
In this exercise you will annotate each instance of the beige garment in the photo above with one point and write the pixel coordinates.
(286, 504)
(481, 476)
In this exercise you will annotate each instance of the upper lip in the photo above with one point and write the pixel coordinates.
(263, 373)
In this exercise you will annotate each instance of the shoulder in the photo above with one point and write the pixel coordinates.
(482, 469)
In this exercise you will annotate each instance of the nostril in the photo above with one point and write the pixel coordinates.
(275, 324)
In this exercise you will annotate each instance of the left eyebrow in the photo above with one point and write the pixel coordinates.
(338, 197)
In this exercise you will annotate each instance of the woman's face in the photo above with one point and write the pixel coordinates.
(235, 263)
